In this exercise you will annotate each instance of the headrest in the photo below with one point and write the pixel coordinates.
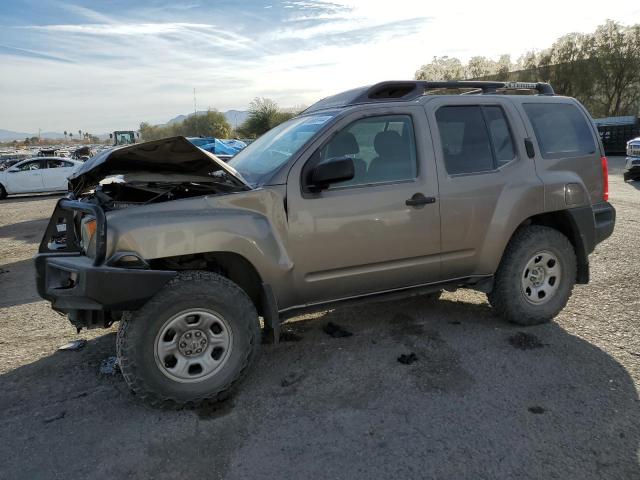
(388, 143)
(344, 143)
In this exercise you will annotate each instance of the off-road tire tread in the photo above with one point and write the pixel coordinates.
(507, 287)
(125, 341)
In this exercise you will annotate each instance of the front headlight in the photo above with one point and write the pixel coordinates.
(87, 236)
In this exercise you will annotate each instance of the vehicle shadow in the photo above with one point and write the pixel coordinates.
(635, 184)
(21, 198)
(484, 399)
(18, 283)
(29, 231)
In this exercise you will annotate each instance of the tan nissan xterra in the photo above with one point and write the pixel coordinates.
(396, 189)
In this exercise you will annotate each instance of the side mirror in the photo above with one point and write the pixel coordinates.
(332, 171)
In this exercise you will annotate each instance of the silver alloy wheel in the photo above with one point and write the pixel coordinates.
(541, 277)
(193, 345)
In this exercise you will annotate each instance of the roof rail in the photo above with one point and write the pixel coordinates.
(407, 90)
(411, 89)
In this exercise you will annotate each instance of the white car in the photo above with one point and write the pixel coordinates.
(41, 174)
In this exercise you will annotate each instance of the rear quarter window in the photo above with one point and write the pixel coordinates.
(561, 130)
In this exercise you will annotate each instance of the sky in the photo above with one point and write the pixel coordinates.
(100, 66)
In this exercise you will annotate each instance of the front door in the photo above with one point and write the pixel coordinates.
(27, 178)
(377, 232)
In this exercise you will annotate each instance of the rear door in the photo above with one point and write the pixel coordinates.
(55, 174)
(488, 185)
(27, 178)
(568, 153)
(361, 236)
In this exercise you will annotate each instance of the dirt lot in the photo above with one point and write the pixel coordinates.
(481, 402)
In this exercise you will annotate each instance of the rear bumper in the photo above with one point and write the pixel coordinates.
(71, 282)
(605, 220)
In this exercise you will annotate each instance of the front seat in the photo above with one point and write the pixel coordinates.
(344, 144)
(393, 161)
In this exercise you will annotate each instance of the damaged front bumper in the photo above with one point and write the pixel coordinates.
(90, 291)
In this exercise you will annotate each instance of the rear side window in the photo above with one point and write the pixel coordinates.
(474, 138)
(561, 129)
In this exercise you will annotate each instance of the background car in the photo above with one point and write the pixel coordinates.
(632, 164)
(42, 174)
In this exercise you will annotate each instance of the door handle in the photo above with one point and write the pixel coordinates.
(419, 199)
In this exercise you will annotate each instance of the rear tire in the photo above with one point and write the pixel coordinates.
(191, 343)
(535, 277)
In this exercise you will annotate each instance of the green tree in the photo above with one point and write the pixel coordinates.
(479, 67)
(615, 58)
(441, 68)
(264, 114)
(601, 69)
(209, 124)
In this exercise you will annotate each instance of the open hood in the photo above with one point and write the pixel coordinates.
(175, 155)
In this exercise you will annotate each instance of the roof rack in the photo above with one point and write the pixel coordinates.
(407, 90)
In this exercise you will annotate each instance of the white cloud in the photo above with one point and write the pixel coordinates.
(144, 68)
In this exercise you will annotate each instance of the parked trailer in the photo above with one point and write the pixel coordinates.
(616, 132)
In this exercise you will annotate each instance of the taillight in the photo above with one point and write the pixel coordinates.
(605, 179)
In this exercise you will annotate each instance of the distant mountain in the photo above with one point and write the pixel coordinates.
(9, 135)
(234, 117)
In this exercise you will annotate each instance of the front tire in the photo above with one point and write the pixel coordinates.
(535, 277)
(191, 343)
(3, 192)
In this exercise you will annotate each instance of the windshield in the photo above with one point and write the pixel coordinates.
(273, 149)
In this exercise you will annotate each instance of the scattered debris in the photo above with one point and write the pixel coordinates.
(74, 346)
(109, 366)
(525, 341)
(58, 416)
(291, 378)
(537, 410)
(336, 331)
(408, 359)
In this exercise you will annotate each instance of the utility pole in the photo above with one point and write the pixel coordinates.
(195, 107)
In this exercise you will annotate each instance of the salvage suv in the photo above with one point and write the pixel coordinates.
(381, 192)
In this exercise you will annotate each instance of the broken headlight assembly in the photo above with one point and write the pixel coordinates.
(88, 235)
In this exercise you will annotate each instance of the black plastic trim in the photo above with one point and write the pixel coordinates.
(605, 220)
(71, 282)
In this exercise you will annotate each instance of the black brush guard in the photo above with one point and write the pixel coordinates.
(90, 290)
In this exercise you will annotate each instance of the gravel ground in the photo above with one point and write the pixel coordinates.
(483, 400)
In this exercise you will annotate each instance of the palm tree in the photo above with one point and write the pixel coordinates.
(65, 134)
